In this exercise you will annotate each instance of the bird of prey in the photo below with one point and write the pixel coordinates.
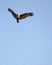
(21, 16)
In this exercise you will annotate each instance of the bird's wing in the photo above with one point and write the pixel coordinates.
(25, 15)
(12, 12)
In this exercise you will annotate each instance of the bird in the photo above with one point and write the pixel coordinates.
(21, 16)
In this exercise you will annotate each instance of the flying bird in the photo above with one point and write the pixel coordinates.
(21, 16)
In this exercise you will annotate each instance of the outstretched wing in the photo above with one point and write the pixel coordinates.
(12, 12)
(22, 16)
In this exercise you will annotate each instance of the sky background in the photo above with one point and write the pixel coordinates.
(30, 41)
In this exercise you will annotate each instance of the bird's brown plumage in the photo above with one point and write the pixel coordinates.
(22, 16)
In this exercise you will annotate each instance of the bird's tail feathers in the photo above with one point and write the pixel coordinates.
(17, 20)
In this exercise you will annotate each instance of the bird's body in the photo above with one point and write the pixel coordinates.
(19, 17)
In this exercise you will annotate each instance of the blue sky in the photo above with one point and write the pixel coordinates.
(30, 41)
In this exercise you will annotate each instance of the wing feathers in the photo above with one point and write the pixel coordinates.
(12, 12)
(25, 15)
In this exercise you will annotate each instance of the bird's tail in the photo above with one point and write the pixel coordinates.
(17, 20)
(31, 14)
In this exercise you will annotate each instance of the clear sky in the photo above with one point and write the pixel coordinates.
(30, 41)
